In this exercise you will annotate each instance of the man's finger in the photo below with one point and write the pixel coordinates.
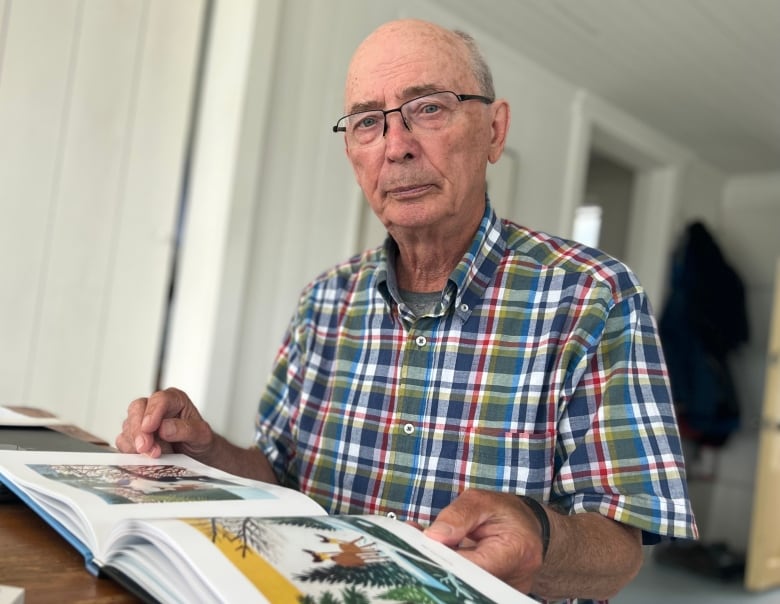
(161, 405)
(456, 521)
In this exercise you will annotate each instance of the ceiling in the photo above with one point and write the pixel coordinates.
(704, 72)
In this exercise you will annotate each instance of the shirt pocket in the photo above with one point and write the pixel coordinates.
(511, 460)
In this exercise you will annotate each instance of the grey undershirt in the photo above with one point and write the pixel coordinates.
(421, 303)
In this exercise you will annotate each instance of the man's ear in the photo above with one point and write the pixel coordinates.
(499, 128)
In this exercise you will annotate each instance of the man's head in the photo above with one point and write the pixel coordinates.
(421, 179)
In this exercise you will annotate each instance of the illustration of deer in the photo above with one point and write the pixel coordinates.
(350, 554)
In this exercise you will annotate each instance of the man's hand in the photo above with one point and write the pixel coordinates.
(497, 531)
(168, 422)
(589, 555)
(165, 422)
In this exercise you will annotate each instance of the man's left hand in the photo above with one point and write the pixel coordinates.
(497, 531)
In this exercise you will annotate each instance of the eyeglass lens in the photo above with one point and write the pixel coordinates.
(429, 112)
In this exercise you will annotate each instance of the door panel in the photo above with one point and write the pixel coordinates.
(95, 100)
(763, 560)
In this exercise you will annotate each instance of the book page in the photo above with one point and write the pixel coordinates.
(9, 417)
(293, 559)
(86, 493)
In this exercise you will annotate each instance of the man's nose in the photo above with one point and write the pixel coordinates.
(399, 140)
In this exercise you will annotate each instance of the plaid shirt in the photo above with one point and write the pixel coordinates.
(539, 372)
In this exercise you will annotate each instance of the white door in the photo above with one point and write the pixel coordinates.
(763, 559)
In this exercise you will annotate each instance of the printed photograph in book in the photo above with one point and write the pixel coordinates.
(121, 484)
(332, 559)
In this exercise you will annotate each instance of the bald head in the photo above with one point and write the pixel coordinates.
(397, 44)
(428, 93)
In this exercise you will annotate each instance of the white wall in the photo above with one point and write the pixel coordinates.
(750, 227)
(701, 198)
(94, 108)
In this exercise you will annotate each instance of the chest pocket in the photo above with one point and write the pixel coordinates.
(510, 460)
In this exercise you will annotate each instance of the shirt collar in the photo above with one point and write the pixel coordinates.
(467, 283)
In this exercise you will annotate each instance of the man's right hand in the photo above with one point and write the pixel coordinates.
(165, 422)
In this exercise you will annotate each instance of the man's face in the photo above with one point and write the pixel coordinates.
(421, 181)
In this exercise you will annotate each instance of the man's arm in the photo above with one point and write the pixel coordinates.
(589, 555)
(168, 422)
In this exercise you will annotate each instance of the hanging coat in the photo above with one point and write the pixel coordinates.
(703, 322)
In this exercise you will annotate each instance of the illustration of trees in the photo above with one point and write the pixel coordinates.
(244, 532)
(350, 595)
(372, 574)
(309, 522)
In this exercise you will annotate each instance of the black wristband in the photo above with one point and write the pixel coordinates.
(544, 521)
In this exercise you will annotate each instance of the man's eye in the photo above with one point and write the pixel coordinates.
(366, 122)
(429, 108)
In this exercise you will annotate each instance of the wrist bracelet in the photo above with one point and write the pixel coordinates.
(544, 521)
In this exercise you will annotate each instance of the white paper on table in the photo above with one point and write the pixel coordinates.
(9, 417)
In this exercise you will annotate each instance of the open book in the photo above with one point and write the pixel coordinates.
(175, 530)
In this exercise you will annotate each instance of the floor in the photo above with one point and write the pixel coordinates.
(659, 583)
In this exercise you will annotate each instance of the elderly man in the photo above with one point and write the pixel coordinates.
(502, 387)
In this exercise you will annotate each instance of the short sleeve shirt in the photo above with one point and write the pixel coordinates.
(539, 372)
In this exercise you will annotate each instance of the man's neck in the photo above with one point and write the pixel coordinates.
(426, 268)
(427, 257)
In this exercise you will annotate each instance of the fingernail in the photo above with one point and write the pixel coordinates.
(139, 443)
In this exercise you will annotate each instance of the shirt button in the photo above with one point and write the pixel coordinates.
(391, 515)
(421, 341)
(408, 429)
(464, 307)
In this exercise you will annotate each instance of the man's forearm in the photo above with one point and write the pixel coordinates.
(589, 556)
(249, 463)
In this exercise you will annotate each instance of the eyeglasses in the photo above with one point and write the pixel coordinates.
(429, 112)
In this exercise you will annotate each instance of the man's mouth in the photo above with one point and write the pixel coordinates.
(408, 190)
